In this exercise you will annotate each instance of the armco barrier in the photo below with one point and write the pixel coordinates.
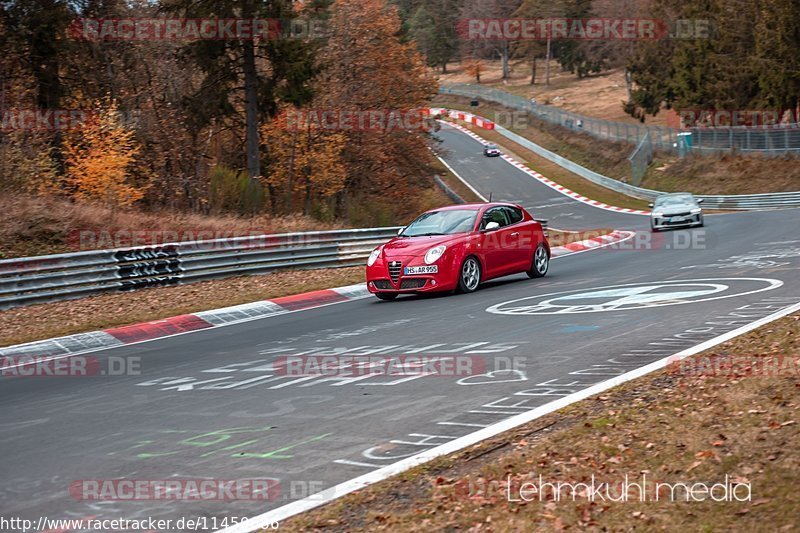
(51, 278)
(741, 202)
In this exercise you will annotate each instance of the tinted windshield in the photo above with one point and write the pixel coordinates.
(675, 200)
(442, 223)
(491, 146)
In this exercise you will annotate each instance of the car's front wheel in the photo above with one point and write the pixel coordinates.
(387, 296)
(470, 275)
(541, 262)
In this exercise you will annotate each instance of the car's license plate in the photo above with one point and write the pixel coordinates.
(410, 271)
(677, 219)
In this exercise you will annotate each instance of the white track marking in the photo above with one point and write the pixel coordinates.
(360, 482)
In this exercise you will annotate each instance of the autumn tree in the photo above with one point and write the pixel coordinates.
(100, 159)
(247, 76)
(489, 48)
(433, 27)
(306, 161)
(368, 67)
(777, 54)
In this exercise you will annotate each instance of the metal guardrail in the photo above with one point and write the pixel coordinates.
(733, 202)
(770, 140)
(51, 278)
(57, 277)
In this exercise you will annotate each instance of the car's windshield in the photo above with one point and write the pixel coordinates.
(446, 222)
(675, 200)
(491, 147)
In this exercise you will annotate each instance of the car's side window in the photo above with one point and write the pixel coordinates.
(496, 214)
(514, 214)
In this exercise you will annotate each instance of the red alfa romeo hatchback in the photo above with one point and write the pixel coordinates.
(456, 248)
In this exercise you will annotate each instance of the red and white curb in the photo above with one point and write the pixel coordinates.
(550, 183)
(179, 325)
(481, 122)
(593, 243)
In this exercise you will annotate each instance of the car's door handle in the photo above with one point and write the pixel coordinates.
(515, 234)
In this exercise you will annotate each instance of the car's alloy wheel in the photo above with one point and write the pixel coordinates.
(541, 262)
(470, 276)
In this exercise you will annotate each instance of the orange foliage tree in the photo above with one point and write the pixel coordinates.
(100, 157)
(306, 161)
(369, 67)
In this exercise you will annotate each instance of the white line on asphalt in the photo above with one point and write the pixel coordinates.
(465, 182)
(370, 478)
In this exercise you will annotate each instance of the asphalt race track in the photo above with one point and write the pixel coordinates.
(207, 405)
(507, 184)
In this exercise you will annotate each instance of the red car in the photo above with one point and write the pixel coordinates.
(456, 248)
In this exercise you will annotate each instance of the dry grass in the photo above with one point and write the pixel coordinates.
(673, 428)
(724, 174)
(599, 95)
(103, 311)
(456, 184)
(39, 225)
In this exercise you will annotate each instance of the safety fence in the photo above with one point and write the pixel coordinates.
(640, 159)
(51, 278)
(766, 140)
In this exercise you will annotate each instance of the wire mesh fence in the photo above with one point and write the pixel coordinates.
(767, 140)
(640, 159)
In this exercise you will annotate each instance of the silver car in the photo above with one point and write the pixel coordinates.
(491, 150)
(676, 210)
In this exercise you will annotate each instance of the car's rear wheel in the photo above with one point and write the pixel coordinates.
(388, 296)
(470, 275)
(541, 262)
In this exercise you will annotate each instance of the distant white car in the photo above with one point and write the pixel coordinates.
(677, 210)
(491, 150)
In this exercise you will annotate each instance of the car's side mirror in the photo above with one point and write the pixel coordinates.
(651, 205)
(700, 200)
(491, 226)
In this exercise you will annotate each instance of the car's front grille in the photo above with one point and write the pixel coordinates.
(395, 267)
(412, 283)
(383, 284)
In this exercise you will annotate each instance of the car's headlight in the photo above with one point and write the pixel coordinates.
(434, 254)
(696, 211)
(373, 256)
(658, 215)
